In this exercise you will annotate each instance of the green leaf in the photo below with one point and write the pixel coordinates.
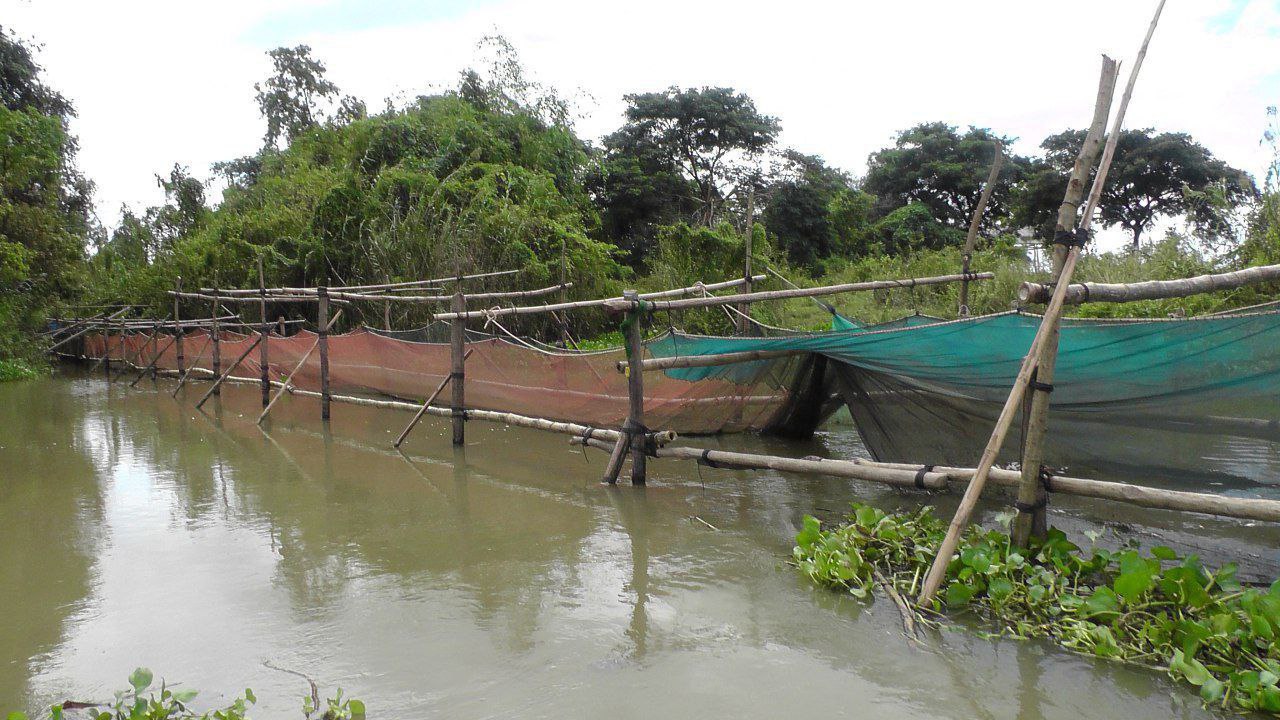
(1103, 601)
(185, 696)
(1163, 552)
(140, 679)
(356, 707)
(18, 716)
(1213, 690)
(811, 533)
(1000, 589)
(248, 695)
(1269, 700)
(959, 594)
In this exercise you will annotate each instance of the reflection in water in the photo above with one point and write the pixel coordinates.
(496, 580)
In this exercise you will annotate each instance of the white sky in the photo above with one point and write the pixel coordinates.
(164, 81)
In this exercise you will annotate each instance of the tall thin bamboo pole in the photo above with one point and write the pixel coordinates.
(458, 367)
(287, 383)
(1032, 518)
(177, 327)
(217, 383)
(971, 240)
(635, 397)
(426, 404)
(961, 520)
(215, 339)
(322, 325)
(264, 356)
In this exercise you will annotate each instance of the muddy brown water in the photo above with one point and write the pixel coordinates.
(500, 580)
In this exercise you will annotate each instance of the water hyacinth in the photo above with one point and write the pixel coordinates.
(1157, 609)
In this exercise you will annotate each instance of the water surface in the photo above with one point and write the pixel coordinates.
(501, 580)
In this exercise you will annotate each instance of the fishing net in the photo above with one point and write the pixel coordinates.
(1194, 399)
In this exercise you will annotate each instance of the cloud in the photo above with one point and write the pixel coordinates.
(163, 82)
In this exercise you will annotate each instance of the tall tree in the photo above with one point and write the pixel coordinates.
(809, 209)
(1154, 175)
(710, 135)
(936, 165)
(293, 99)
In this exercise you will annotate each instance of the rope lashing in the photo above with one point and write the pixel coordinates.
(925, 470)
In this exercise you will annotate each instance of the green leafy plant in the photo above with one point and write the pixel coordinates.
(1155, 609)
(166, 703)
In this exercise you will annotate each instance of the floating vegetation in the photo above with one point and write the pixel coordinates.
(171, 703)
(1159, 610)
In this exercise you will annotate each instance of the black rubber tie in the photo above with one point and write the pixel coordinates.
(920, 476)
(1031, 507)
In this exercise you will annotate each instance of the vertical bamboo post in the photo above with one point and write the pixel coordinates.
(264, 356)
(322, 339)
(564, 273)
(215, 338)
(177, 326)
(972, 238)
(635, 393)
(155, 348)
(949, 543)
(1032, 498)
(458, 365)
(744, 309)
(386, 306)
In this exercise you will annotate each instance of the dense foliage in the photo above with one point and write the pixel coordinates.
(1155, 609)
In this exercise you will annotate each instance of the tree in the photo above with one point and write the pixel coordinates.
(810, 209)
(943, 169)
(291, 98)
(709, 135)
(1153, 176)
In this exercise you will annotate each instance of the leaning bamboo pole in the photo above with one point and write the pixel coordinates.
(619, 304)
(961, 519)
(152, 365)
(971, 239)
(1152, 289)
(88, 328)
(426, 404)
(288, 379)
(221, 378)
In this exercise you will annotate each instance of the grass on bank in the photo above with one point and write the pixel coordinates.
(1159, 610)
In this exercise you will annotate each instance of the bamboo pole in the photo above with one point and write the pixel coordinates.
(177, 327)
(288, 379)
(86, 329)
(430, 399)
(182, 378)
(360, 288)
(128, 357)
(564, 295)
(217, 383)
(215, 337)
(458, 367)
(744, 309)
(709, 360)
(322, 325)
(1078, 293)
(948, 547)
(1032, 497)
(635, 396)
(152, 365)
(155, 351)
(971, 238)
(264, 353)
(304, 293)
(928, 479)
(1140, 495)
(292, 297)
(580, 304)
(618, 304)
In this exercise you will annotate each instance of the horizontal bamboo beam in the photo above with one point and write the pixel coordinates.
(242, 298)
(1079, 293)
(255, 292)
(1141, 495)
(621, 304)
(709, 360)
(580, 304)
(340, 296)
(834, 468)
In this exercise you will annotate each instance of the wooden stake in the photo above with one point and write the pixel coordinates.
(217, 383)
(152, 366)
(972, 238)
(423, 411)
(264, 355)
(322, 324)
(88, 327)
(177, 327)
(458, 367)
(1032, 518)
(287, 383)
(961, 520)
(215, 340)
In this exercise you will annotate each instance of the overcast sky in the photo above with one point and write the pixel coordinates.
(163, 81)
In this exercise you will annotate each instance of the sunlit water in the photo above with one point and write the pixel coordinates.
(498, 581)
